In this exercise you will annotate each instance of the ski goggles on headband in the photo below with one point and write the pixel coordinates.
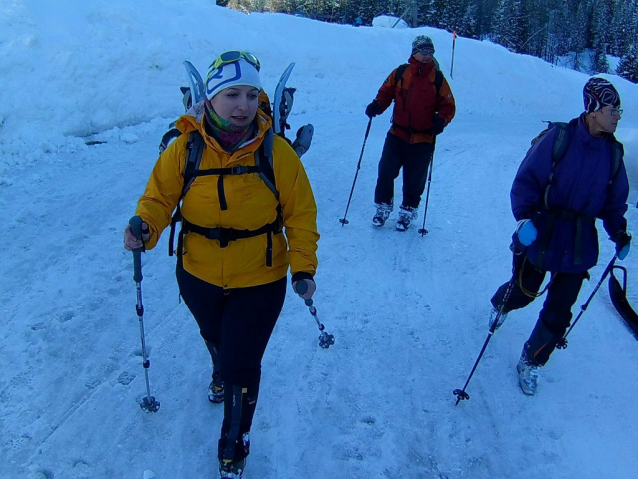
(234, 56)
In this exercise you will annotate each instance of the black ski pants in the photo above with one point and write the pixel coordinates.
(414, 158)
(236, 325)
(556, 314)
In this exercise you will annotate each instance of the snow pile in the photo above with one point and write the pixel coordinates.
(386, 21)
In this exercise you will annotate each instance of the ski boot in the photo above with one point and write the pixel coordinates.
(231, 469)
(406, 215)
(382, 214)
(216, 389)
(527, 373)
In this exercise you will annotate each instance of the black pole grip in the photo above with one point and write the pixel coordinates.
(301, 287)
(136, 227)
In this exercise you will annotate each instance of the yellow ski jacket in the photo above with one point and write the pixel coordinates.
(250, 205)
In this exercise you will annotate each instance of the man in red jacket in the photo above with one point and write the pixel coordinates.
(423, 107)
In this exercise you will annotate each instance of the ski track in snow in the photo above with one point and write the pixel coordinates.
(409, 315)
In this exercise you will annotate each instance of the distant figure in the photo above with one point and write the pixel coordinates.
(423, 107)
(572, 174)
(358, 22)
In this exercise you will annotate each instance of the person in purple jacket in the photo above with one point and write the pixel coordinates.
(573, 174)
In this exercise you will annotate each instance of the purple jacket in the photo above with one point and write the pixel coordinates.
(581, 186)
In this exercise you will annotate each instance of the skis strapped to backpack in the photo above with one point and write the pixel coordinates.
(282, 102)
(191, 95)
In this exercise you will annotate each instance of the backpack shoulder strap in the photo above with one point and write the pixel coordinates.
(168, 138)
(561, 145)
(264, 161)
(616, 158)
(194, 152)
(398, 73)
(438, 81)
(561, 142)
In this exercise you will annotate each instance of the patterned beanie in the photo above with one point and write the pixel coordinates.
(421, 43)
(599, 93)
(239, 73)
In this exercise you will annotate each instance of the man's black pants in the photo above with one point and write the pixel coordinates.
(556, 313)
(414, 158)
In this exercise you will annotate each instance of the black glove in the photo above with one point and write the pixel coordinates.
(373, 109)
(623, 242)
(438, 124)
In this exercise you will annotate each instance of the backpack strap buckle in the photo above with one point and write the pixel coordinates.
(239, 170)
(224, 237)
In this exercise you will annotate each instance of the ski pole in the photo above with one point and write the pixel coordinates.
(343, 220)
(423, 231)
(149, 404)
(325, 340)
(460, 393)
(562, 343)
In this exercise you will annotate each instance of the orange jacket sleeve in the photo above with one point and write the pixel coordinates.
(387, 91)
(445, 102)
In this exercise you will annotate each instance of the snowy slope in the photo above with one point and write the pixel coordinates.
(409, 313)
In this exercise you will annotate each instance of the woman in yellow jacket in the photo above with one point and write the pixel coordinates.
(233, 257)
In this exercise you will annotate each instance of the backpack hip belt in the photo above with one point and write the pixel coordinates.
(226, 235)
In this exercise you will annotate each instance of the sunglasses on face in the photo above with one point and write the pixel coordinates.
(234, 56)
(615, 112)
(426, 52)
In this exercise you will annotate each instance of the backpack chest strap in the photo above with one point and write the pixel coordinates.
(234, 170)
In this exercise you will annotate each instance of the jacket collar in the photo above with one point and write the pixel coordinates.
(194, 119)
(583, 131)
(422, 68)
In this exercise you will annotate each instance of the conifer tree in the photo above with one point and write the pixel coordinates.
(628, 66)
